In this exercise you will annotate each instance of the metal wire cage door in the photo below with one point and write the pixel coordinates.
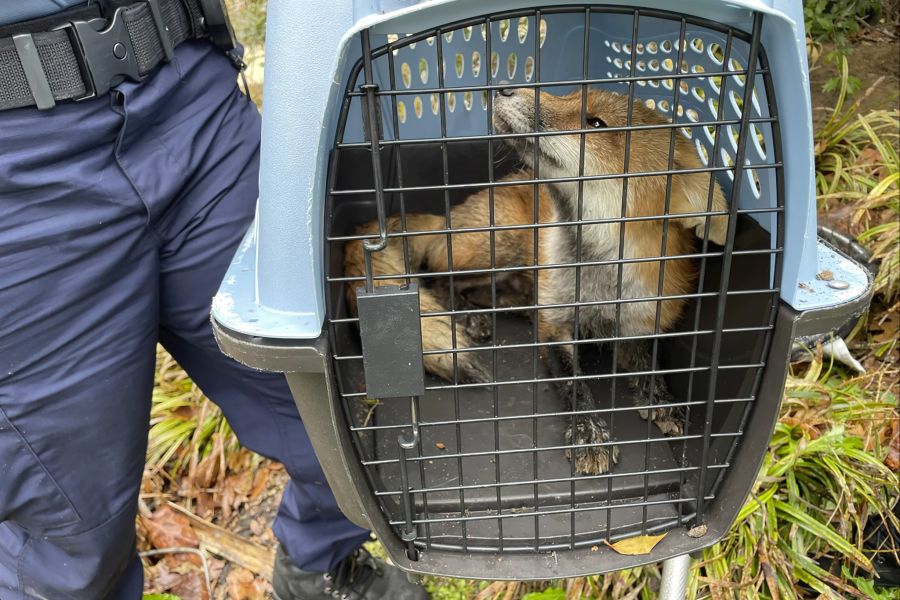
(526, 325)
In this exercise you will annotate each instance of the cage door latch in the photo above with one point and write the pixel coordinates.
(391, 337)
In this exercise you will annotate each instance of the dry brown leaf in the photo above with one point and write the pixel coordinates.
(184, 412)
(870, 156)
(260, 481)
(143, 539)
(190, 586)
(892, 460)
(889, 325)
(206, 505)
(635, 546)
(216, 566)
(440, 445)
(243, 585)
(840, 217)
(227, 500)
(208, 468)
(258, 526)
(183, 580)
(168, 529)
(159, 578)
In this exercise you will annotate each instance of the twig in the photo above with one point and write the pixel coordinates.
(230, 546)
(371, 412)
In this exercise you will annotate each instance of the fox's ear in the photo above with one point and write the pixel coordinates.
(691, 195)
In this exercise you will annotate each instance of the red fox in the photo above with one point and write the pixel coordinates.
(601, 205)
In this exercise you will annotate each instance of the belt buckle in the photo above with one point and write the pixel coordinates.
(106, 55)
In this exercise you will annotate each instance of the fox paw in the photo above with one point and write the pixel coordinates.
(590, 460)
(479, 326)
(669, 421)
(472, 369)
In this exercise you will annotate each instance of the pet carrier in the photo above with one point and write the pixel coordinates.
(533, 269)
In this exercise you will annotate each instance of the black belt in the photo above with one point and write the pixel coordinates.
(84, 57)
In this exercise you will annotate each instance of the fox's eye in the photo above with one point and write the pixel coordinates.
(596, 122)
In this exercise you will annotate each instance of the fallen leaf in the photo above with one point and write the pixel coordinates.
(637, 545)
(887, 328)
(825, 275)
(440, 445)
(870, 156)
(840, 217)
(258, 527)
(892, 460)
(190, 586)
(260, 479)
(208, 468)
(159, 577)
(216, 566)
(168, 529)
(184, 581)
(243, 585)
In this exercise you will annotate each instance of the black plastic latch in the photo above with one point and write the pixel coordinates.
(391, 337)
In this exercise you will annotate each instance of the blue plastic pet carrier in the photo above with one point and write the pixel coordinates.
(378, 112)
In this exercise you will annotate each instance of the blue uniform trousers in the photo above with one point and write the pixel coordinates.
(118, 218)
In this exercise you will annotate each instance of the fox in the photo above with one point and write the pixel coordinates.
(598, 247)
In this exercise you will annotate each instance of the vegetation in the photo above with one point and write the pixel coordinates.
(814, 526)
(837, 23)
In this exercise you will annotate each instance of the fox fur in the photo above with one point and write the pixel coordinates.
(599, 203)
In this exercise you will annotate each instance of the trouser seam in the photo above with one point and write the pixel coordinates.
(120, 138)
(20, 566)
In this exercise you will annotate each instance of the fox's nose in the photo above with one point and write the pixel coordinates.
(505, 91)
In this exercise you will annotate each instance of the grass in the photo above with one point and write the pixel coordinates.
(188, 433)
(804, 531)
(857, 172)
(808, 529)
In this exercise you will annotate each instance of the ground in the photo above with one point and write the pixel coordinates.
(870, 61)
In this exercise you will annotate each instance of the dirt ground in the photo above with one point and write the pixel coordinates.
(869, 61)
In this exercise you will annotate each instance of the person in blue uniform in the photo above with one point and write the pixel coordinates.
(121, 205)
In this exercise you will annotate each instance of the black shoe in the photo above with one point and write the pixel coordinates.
(357, 577)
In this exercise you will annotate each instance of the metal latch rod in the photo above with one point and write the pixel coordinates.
(371, 112)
